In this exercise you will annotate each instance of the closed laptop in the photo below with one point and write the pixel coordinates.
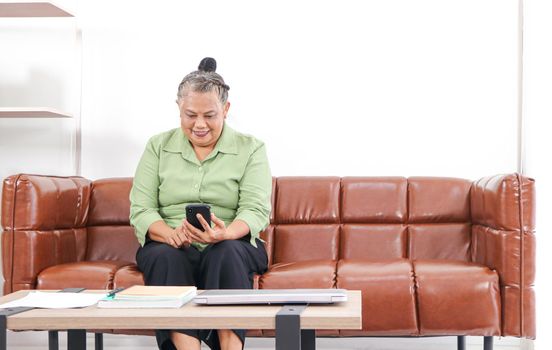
(270, 296)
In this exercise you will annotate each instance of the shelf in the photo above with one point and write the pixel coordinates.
(13, 9)
(31, 9)
(32, 112)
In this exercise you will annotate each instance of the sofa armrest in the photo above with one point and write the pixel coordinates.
(43, 220)
(503, 238)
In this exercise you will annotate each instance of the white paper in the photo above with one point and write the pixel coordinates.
(51, 300)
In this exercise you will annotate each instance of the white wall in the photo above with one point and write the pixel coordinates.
(394, 87)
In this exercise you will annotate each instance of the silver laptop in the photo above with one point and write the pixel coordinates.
(270, 296)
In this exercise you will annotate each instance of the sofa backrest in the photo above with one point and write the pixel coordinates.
(371, 218)
(313, 218)
(110, 236)
(328, 218)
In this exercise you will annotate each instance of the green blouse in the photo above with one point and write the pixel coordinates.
(234, 179)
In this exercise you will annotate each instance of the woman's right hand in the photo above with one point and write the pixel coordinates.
(178, 238)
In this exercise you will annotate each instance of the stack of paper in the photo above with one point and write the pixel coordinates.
(150, 297)
(51, 300)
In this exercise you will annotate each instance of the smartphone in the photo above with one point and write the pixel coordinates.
(191, 214)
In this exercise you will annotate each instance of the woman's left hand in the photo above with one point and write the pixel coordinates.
(211, 234)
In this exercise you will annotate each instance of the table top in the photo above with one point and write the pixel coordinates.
(342, 315)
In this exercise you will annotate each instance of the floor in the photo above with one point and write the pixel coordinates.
(39, 340)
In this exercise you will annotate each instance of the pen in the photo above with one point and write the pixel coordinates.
(114, 291)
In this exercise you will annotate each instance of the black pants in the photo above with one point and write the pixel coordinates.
(229, 264)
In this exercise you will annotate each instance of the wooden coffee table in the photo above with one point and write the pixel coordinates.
(294, 324)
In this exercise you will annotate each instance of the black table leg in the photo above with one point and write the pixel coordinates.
(99, 341)
(308, 339)
(288, 329)
(3, 331)
(53, 340)
(76, 339)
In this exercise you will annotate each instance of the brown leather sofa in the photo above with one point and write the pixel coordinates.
(432, 256)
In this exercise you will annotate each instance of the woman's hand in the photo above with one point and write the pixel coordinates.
(178, 238)
(211, 234)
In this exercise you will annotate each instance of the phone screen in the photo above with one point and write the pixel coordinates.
(191, 214)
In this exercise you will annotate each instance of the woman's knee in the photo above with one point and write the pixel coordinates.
(231, 245)
(163, 253)
(162, 264)
(225, 252)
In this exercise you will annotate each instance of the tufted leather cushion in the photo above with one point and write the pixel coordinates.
(111, 242)
(388, 298)
(432, 199)
(373, 241)
(86, 274)
(44, 202)
(110, 203)
(307, 202)
(440, 241)
(496, 201)
(374, 199)
(302, 274)
(306, 242)
(128, 276)
(456, 297)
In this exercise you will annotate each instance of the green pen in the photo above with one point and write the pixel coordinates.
(111, 294)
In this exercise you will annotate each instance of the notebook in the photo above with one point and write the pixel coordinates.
(149, 297)
(270, 296)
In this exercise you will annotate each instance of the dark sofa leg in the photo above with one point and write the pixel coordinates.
(487, 343)
(99, 341)
(461, 342)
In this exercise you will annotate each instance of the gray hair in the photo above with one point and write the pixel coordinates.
(203, 81)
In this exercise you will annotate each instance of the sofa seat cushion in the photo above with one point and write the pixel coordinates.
(84, 274)
(300, 274)
(388, 299)
(456, 298)
(128, 276)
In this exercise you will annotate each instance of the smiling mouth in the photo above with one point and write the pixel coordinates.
(200, 133)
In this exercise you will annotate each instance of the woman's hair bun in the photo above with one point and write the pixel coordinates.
(208, 64)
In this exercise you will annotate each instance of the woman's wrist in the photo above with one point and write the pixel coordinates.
(159, 231)
(225, 235)
(237, 229)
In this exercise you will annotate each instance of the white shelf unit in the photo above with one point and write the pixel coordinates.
(32, 9)
(43, 10)
(32, 112)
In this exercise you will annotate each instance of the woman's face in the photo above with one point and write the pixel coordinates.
(202, 117)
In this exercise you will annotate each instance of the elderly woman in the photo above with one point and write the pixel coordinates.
(203, 161)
